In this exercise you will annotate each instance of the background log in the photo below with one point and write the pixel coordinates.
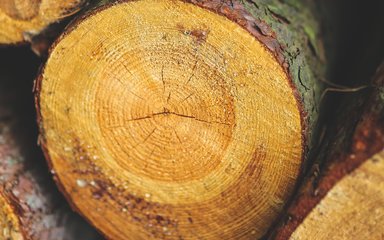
(21, 21)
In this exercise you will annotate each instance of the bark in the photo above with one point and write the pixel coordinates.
(358, 134)
(25, 182)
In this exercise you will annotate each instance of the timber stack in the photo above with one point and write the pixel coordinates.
(199, 119)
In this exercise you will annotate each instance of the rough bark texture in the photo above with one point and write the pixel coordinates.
(353, 58)
(24, 179)
(299, 40)
(357, 135)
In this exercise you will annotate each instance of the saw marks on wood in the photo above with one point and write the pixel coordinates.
(352, 209)
(20, 19)
(162, 119)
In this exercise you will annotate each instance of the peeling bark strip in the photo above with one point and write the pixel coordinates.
(352, 170)
(181, 119)
(21, 20)
(30, 206)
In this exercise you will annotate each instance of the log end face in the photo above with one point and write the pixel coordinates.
(352, 209)
(171, 122)
(20, 10)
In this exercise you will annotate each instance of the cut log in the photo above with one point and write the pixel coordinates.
(344, 198)
(30, 206)
(20, 20)
(181, 119)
